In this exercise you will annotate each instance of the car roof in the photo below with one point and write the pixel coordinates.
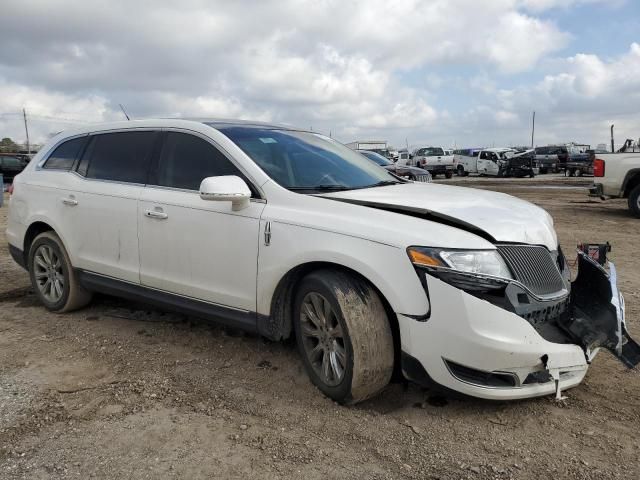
(173, 122)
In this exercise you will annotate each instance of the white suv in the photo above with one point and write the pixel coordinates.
(287, 233)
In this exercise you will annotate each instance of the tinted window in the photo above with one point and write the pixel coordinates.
(65, 154)
(186, 160)
(122, 156)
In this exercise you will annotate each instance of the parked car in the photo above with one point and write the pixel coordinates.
(11, 165)
(618, 176)
(551, 158)
(403, 157)
(433, 159)
(500, 162)
(288, 233)
(411, 173)
(461, 157)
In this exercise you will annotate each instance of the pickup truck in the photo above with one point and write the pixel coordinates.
(500, 162)
(433, 159)
(618, 176)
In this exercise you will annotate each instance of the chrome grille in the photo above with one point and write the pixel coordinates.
(423, 178)
(534, 267)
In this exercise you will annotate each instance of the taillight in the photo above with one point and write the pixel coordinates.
(10, 189)
(598, 167)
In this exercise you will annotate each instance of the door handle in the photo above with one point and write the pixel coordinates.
(71, 201)
(160, 215)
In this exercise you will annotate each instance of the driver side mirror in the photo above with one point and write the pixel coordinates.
(228, 188)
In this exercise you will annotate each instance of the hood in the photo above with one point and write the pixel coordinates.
(495, 216)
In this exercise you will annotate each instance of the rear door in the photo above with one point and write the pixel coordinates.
(100, 203)
(197, 248)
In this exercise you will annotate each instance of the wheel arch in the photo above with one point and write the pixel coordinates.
(35, 228)
(279, 325)
(631, 181)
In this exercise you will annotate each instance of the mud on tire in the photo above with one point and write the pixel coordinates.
(69, 295)
(360, 316)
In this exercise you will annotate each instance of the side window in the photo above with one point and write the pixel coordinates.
(483, 155)
(186, 160)
(65, 154)
(121, 156)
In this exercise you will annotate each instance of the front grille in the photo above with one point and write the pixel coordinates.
(423, 178)
(534, 267)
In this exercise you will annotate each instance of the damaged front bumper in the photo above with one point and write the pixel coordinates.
(515, 345)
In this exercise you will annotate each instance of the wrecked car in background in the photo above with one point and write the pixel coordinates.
(406, 171)
(288, 233)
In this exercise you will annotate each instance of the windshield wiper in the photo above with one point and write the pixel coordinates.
(320, 188)
(383, 183)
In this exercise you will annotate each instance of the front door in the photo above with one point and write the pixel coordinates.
(197, 248)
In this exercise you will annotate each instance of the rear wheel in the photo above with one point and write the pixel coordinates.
(634, 201)
(460, 171)
(343, 336)
(53, 277)
(448, 174)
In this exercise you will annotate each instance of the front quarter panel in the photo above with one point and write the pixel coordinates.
(387, 267)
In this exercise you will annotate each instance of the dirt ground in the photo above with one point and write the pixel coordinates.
(121, 390)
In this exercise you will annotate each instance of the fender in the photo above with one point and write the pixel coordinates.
(388, 268)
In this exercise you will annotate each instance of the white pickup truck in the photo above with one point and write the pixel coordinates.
(498, 162)
(433, 159)
(618, 176)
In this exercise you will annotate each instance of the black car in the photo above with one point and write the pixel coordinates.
(11, 165)
(411, 173)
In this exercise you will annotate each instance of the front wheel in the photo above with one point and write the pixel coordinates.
(634, 201)
(448, 174)
(52, 275)
(343, 336)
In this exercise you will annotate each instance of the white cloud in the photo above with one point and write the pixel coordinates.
(332, 64)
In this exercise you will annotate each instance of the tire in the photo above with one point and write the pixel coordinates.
(634, 201)
(578, 172)
(460, 171)
(365, 348)
(448, 174)
(531, 175)
(49, 265)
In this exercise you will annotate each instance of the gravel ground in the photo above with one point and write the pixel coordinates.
(121, 390)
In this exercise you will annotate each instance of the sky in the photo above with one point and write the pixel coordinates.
(431, 72)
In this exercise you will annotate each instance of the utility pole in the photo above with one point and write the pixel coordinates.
(533, 127)
(24, 114)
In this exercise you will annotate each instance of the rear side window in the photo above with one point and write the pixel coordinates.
(186, 160)
(121, 156)
(65, 154)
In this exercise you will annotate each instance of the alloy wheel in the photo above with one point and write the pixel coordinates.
(323, 339)
(48, 273)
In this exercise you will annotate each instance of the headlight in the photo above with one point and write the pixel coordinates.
(482, 262)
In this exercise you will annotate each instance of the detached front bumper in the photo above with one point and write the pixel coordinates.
(480, 349)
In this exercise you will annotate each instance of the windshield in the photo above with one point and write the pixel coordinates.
(307, 161)
(376, 157)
